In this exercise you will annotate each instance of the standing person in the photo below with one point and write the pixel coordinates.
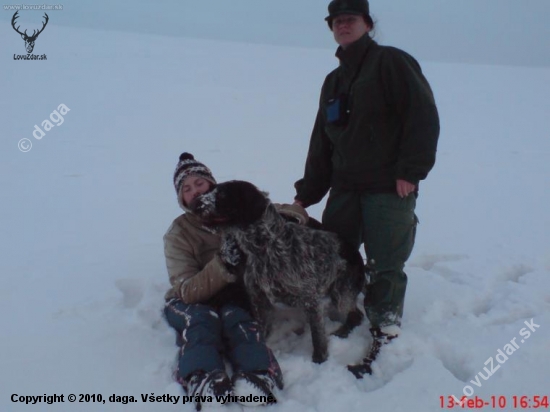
(208, 308)
(374, 139)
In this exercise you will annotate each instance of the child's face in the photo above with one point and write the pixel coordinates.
(192, 187)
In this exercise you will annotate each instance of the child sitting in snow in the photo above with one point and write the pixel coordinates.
(208, 308)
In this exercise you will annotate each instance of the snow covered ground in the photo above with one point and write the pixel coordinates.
(82, 273)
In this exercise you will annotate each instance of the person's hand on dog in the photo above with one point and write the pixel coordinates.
(293, 212)
(231, 255)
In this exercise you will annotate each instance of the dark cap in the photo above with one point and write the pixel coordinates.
(338, 7)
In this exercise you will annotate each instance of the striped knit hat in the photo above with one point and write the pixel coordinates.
(188, 166)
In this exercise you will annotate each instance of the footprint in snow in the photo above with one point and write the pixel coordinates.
(455, 361)
(515, 272)
(427, 262)
(434, 264)
(132, 292)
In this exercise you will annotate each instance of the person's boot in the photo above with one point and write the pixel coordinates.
(213, 384)
(256, 387)
(380, 337)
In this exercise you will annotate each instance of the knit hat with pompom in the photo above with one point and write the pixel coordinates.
(187, 167)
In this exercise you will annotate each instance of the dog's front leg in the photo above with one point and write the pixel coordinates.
(318, 335)
(261, 308)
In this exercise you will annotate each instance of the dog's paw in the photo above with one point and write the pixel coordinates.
(354, 319)
(342, 332)
(319, 357)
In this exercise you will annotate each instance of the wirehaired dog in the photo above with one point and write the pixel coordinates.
(286, 262)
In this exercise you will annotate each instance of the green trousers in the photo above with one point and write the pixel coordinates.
(386, 225)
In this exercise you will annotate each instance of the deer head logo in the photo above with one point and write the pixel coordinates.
(29, 40)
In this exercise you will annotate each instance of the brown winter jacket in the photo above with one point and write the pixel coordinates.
(194, 267)
(195, 270)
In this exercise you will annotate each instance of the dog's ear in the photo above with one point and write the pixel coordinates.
(254, 203)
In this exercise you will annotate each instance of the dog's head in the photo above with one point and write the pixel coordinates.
(233, 203)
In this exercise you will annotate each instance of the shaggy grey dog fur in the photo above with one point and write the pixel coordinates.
(286, 262)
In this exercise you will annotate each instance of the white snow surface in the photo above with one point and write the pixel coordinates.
(83, 215)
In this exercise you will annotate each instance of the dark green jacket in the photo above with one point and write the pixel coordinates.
(392, 129)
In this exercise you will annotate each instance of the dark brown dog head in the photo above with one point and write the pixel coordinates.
(233, 203)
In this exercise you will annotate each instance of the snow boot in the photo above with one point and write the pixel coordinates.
(380, 337)
(255, 388)
(209, 384)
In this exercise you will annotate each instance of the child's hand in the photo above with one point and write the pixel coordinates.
(230, 254)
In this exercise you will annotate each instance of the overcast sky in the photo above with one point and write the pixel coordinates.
(471, 31)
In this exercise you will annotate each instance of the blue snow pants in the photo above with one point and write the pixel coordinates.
(206, 335)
